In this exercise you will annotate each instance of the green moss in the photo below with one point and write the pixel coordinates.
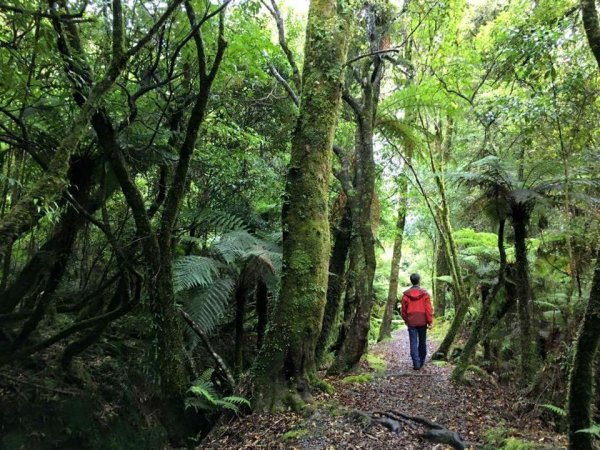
(362, 378)
(376, 363)
(497, 435)
(294, 402)
(300, 261)
(439, 363)
(518, 444)
(295, 434)
(322, 385)
(499, 438)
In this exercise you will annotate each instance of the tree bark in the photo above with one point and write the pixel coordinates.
(441, 269)
(240, 317)
(287, 354)
(386, 323)
(581, 380)
(336, 281)
(355, 344)
(262, 303)
(591, 25)
(519, 220)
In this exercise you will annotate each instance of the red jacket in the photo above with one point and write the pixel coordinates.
(416, 307)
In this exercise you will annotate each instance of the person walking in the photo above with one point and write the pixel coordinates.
(418, 316)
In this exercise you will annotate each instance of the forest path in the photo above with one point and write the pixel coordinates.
(336, 421)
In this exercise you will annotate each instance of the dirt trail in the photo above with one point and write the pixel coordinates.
(337, 423)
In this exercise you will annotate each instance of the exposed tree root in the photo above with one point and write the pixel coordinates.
(395, 420)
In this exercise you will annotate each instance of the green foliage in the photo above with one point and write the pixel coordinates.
(194, 271)
(361, 378)
(593, 430)
(376, 363)
(295, 434)
(555, 409)
(206, 398)
(501, 438)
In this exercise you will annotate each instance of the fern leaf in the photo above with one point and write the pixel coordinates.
(555, 409)
(594, 430)
(194, 271)
(207, 306)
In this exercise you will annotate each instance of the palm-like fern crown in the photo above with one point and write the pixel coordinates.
(226, 256)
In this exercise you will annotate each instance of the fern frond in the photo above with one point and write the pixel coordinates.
(194, 271)
(207, 306)
(234, 245)
(218, 222)
(594, 430)
(555, 409)
(398, 129)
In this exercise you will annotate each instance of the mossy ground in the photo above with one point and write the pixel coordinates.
(360, 378)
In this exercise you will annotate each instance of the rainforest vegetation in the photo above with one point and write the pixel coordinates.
(210, 208)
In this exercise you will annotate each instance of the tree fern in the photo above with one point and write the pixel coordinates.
(233, 245)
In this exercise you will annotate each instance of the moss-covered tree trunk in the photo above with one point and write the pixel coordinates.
(440, 151)
(354, 345)
(386, 323)
(581, 380)
(52, 257)
(441, 269)
(287, 357)
(354, 281)
(335, 284)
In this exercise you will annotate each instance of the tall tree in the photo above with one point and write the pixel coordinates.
(287, 354)
(377, 17)
(581, 380)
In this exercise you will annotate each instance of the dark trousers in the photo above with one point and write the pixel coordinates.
(418, 345)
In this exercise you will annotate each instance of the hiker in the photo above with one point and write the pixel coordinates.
(418, 316)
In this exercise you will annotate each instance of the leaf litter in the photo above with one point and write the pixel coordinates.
(344, 419)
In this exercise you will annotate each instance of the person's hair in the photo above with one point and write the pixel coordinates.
(415, 278)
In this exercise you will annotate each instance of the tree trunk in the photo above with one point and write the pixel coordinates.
(441, 287)
(52, 257)
(520, 219)
(386, 323)
(354, 275)
(287, 355)
(461, 302)
(483, 320)
(589, 15)
(240, 317)
(335, 284)
(355, 343)
(581, 380)
(262, 303)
